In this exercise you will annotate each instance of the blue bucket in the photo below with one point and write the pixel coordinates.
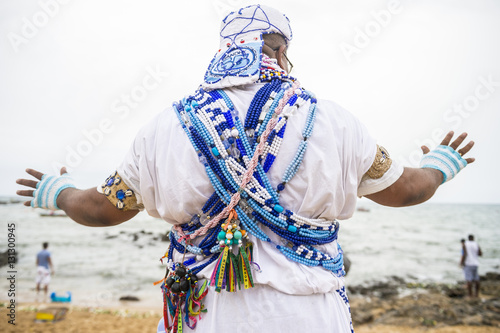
(61, 298)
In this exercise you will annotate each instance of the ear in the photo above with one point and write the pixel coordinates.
(281, 58)
(268, 51)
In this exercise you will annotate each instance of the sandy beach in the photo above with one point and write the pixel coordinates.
(393, 306)
(433, 302)
(113, 320)
(79, 319)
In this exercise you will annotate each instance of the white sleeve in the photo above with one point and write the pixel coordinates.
(373, 174)
(129, 172)
(370, 186)
(134, 169)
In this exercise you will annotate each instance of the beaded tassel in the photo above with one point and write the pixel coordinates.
(230, 270)
(180, 290)
(218, 278)
(244, 258)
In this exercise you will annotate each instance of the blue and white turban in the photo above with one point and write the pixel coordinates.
(239, 58)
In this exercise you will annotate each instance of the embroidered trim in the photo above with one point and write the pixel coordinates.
(380, 165)
(119, 194)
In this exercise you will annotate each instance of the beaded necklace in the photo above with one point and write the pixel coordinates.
(236, 157)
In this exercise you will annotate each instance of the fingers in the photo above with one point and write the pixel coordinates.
(464, 150)
(37, 174)
(27, 182)
(447, 138)
(63, 170)
(458, 141)
(25, 193)
(425, 149)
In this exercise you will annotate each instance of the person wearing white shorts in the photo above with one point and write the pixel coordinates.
(44, 269)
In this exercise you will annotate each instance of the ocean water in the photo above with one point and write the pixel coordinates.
(99, 265)
(420, 243)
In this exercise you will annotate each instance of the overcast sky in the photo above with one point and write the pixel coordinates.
(79, 78)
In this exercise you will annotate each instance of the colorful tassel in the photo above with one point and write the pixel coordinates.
(218, 275)
(181, 295)
(231, 271)
(245, 272)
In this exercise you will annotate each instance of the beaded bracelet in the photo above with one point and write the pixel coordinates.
(48, 189)
(445, 159)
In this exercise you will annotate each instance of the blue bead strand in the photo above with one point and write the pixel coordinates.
(213, 126)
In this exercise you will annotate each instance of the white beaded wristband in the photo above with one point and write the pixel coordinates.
(48, 189)
(445, 159)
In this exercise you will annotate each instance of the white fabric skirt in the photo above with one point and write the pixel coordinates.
(264, 309)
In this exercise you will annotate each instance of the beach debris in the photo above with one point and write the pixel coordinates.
(130, 298)
(66, 298)
(52, 213)
(51, 314)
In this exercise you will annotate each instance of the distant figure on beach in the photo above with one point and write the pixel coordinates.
(470, 263)
(462, 242)
(253, 171)
(44, 269)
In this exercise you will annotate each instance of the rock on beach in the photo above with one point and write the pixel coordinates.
(396, 302)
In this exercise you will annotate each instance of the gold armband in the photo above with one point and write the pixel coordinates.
(381, 164)
(119, 194)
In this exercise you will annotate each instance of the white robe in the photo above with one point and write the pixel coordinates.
(163, 170)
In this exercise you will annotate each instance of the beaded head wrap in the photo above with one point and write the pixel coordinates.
(238, 60)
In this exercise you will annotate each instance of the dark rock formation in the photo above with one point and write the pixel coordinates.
(129, 298)
(4, 258)
(395, 302)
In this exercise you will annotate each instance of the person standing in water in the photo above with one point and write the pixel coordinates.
(44, 269)
(470, 263)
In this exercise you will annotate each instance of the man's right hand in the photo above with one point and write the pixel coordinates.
(417, 185)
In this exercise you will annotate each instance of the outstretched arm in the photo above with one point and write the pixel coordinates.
(417, 185)
(86, 207)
